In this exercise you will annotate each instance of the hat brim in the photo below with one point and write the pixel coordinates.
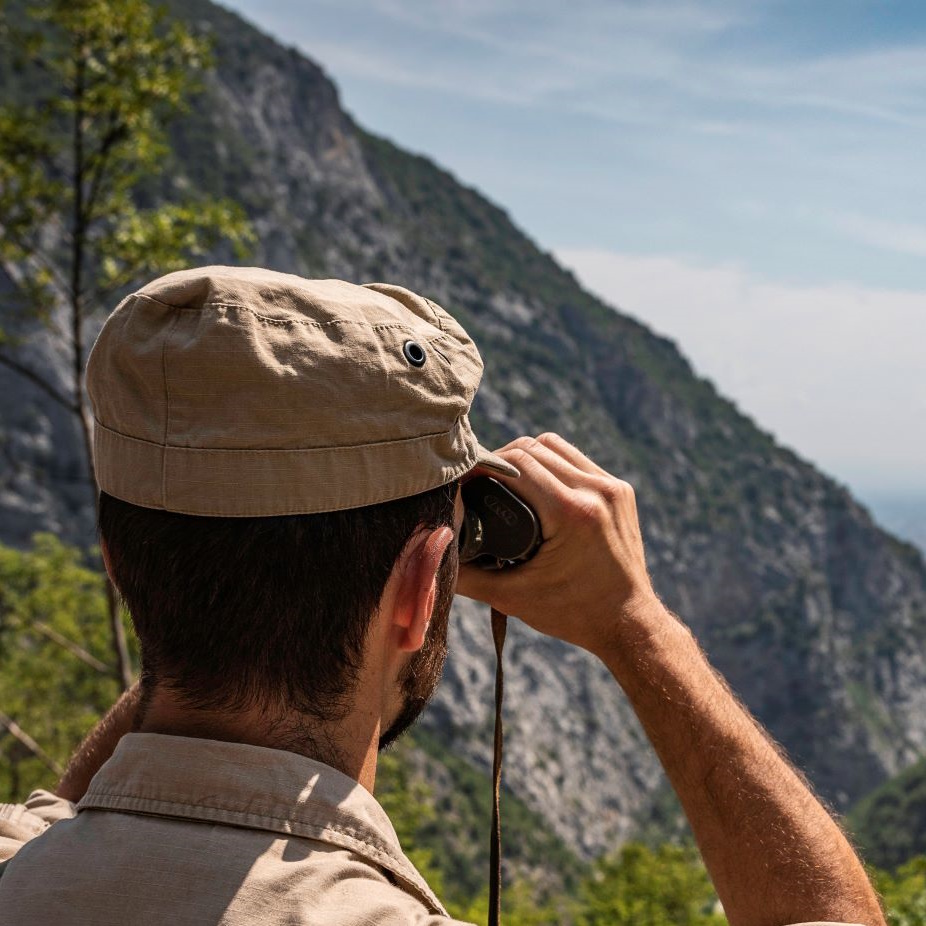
(494, 463)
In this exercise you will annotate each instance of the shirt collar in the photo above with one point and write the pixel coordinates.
(254, 787)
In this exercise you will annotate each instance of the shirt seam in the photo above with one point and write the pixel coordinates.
(381, 854)
(344, 830)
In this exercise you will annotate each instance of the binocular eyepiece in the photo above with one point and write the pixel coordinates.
(499, 529)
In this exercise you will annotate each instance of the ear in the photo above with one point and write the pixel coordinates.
(415, 573)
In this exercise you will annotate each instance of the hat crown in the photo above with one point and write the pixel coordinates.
(208, 378)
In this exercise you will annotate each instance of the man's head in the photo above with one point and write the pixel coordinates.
(281, 615)
(279, 461)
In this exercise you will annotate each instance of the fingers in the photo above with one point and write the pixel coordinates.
(539, 486)
(591, 567)
(552, 470)
(559, 466)
(552, 484)
(564, 451)
(571, 453)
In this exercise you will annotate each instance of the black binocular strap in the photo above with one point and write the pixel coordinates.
(499, 629)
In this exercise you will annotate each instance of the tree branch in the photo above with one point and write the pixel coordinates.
(39, 381)
(34, 253)
(73, 648)
(99, 161)
(18, 733)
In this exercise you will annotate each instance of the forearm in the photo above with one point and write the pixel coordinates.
(774, 853)
(98, 746)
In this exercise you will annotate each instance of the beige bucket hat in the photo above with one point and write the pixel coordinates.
(236, 392)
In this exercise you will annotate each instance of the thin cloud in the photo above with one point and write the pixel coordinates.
(597, 56)
(834, 370)
(899, 237)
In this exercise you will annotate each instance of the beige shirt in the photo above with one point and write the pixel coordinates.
(190, 831)
(182, 831)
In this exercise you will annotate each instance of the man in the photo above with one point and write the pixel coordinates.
(280, 462)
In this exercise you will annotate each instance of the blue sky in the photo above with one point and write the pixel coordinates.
(746, 177)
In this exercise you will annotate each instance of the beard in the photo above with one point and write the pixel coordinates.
(419, 679)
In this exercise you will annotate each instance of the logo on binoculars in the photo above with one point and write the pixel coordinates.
(497, 506)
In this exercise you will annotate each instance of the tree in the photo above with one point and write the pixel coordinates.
(78, 152)
(409, 804)
(55, 687)
(638, 886)
(903, 892)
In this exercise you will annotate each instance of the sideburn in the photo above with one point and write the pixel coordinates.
(420, 678)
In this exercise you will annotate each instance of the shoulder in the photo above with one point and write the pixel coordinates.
(331, 885)
(20, 823)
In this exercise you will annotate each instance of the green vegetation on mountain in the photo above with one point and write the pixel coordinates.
(640, 885)
(889, 824)
(903, 893)
(457, 828)
(55, 680)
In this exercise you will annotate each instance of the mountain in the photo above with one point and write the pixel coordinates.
(815, 615)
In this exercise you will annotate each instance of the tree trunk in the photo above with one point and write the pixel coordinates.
(123, 667)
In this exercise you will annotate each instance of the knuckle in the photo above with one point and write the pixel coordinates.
(588, 505)
(525, 443)
(518, 456)
(550, 439)
(610, 494)
(614, 490)
(625, 488)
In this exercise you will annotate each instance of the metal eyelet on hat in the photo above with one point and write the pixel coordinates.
(414, 353)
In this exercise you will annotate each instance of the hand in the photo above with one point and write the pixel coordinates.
(588, 583)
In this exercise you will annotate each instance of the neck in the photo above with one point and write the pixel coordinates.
(350, 746)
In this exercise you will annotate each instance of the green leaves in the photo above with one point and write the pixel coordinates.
(31, 192)
(53, 649)
(903, 892)
(148, 242)
(74, 158)
(638, 886)
(121, 58)
(889, 824)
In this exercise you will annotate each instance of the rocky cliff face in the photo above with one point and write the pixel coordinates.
(816, 616)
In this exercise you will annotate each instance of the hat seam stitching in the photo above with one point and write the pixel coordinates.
(438, 351)
(272, 450)
(436, 313)
(293, 321)
(165, 445)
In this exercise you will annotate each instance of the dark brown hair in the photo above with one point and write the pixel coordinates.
(236, 613)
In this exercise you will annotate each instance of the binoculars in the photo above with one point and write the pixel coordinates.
(499, 529)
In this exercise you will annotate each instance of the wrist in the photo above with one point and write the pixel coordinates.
(643, 628)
